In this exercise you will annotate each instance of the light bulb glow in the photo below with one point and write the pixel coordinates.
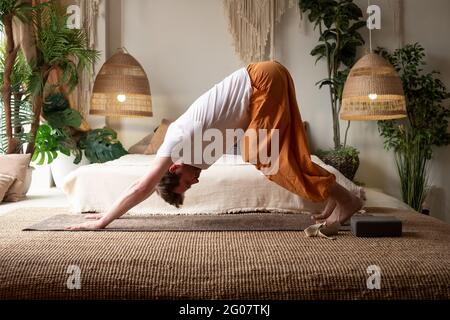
(121, 97)
(373, 96)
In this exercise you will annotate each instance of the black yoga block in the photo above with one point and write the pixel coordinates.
(376, 226)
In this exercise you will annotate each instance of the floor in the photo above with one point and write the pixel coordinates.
(38, 197)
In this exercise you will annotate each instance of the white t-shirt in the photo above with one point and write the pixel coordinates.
(199, 136)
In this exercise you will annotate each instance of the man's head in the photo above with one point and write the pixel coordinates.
(178, 179)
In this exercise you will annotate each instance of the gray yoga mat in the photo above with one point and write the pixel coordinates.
(228, 222)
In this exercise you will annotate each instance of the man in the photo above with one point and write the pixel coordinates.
(257, 98)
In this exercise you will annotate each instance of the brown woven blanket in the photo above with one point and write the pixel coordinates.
(221, 265)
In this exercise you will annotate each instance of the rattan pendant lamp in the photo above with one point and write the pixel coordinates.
(121, 88)
(373, 90)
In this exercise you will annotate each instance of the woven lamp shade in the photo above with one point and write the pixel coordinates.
(121, 88)
(373, 91)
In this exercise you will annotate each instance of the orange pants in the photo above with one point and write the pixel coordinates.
(273, 105)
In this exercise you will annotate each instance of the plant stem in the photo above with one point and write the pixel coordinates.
(38, 102)
(37, 107)
(336, 137)
(346, 133)
(335, 68)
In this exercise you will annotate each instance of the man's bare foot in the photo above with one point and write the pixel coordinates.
(327, 211)
(345, 210)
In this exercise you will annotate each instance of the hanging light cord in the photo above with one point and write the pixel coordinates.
(370, 30)
(122, 28)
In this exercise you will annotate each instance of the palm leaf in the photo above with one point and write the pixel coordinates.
(21, 119)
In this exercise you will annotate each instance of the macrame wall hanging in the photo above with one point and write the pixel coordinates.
(252, 25)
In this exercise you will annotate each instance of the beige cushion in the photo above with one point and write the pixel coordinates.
(15, 165)
(158, 137)
(141, 145)
(5, 182)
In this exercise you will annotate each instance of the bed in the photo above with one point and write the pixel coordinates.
(277, 265)
(230, 185)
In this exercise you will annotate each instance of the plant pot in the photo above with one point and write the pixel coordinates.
(63, 165)
(345, 160)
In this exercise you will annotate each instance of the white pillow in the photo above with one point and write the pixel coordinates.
(341, 179)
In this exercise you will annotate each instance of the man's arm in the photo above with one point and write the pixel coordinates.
(134, 195)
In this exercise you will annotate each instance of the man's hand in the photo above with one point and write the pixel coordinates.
(136, 193)
(90, 225)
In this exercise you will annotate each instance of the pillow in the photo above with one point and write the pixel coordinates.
(341, 179)
(141, 145)
(5, 182)
(15, 165)
(158, 137)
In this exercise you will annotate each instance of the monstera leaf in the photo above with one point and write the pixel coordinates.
(101, 145)
(55, 102)
(58, 113)
(46, 145)
(49, 141)
(61, 119)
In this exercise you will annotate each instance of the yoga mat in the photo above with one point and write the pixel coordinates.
(228, 222)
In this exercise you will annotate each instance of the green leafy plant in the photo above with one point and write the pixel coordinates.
(21, 114)
(60, 134)
(58, 113)
(47, 145)
(101, 145)
(425, 127)
(338, 22)
(12, 75)
(346, 159)
(58, 48)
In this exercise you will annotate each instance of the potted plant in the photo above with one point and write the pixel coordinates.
(58, 49)
(426, 126)
(55, 140)
(338, 23)
(63, 140)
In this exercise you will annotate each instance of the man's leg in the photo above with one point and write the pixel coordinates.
(274, 106)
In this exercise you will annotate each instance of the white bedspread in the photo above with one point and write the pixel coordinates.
(228, 186)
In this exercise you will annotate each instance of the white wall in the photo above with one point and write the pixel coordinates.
(185, 48)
